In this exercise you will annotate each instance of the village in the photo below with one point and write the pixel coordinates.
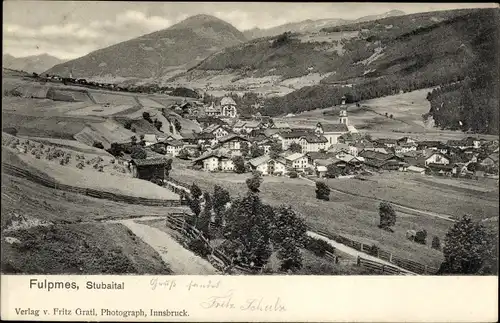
(228, 143)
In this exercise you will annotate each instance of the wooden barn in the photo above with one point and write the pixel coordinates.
(149, 169)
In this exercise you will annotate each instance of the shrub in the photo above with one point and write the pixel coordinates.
(293, 174)
(147, 117)
(318, 246)
(322, 191)
(98, 144)
(239, 164)
(199, 247)
(421, 236)
(436, 243)
(128, 125)
(387, 216)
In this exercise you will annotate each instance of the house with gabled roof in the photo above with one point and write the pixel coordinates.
(438, 158)
(217, 130)
(268, 166)
(312, 143)
(232, 143)
(297, 161)
(380, 160)
(148, 169)
(215, 161)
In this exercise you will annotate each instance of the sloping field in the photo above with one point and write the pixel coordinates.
(39, 107)
(434, 194)
(91, 248)
(149, 103)
(106, 132)
(102, 97)
(356, 217)
(71, 144)
(52, 126)
(88, 178)
(99, 110)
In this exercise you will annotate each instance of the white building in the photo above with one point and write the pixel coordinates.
(297, 161)
(228, 107)
(215, 161)
(268, 166)
(437, 158)
(312, 143)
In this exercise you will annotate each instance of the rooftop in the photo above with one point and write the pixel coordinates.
(294, 156)
(149, 162)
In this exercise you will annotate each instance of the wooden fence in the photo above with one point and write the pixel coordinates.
(19, 172)
(217, 257)
(409, 265)
(381, 268)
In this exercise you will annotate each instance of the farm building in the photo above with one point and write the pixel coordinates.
(491, 160)
(268, 166)
(378, 160)
(148, 169)
(437, 158)
(297, 161)
(415, 169)
(217, 130)
(232, 143)
(214, 161)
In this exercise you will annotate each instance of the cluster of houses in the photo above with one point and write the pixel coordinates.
(320, 150)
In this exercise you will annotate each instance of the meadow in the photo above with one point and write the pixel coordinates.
(357, 217)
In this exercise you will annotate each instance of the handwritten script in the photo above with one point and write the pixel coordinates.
(261, 304)
(170, 284)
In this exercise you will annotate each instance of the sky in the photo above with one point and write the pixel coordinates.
(71, 29)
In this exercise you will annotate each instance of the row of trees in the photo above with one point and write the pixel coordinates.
(253, 230)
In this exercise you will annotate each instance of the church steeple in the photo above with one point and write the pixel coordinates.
(343, 116)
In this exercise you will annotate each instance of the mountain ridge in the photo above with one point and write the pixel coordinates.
(32, 63)
(155, 54)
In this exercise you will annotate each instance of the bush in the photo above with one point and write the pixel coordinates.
(387, 216)
(199, 247)
(98, 144)
(421, 236)
(239, 164)
(318, 246)
(436, 243)
(322, 191)
(128, 125)
(147, 117)
(293, 174)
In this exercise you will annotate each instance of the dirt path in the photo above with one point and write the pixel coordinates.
(351, 251)
(180, 260)
(423, 212)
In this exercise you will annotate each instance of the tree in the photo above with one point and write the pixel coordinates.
(146, 116)
(194, 202)
(469, 249)
(275, 149)
(115, 150)
(138, 153)
(98, 144)
(390, 116)
(128, 125)
(295, 147)
(421, 237)
(249, 228)
(387, 216)
(256, 151)
(221, 198)
(332, 171)
(177, 125)
(168, 167)
(203, 223)
(322, 191)
(253, 183)
(436, 244)
(244, 148)
(239, 164)
(289, 236)
(133, 140)
(158, 124)
(183, 154)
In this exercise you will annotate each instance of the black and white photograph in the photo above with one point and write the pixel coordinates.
(259, 138)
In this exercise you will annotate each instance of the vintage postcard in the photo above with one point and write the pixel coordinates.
(260, 161)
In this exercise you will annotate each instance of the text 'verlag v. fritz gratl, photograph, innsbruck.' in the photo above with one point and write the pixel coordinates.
(243, 155)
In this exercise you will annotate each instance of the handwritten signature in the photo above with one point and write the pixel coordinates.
(251, 304)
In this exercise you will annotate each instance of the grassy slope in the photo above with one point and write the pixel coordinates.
(91, 248)
(356, 217)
